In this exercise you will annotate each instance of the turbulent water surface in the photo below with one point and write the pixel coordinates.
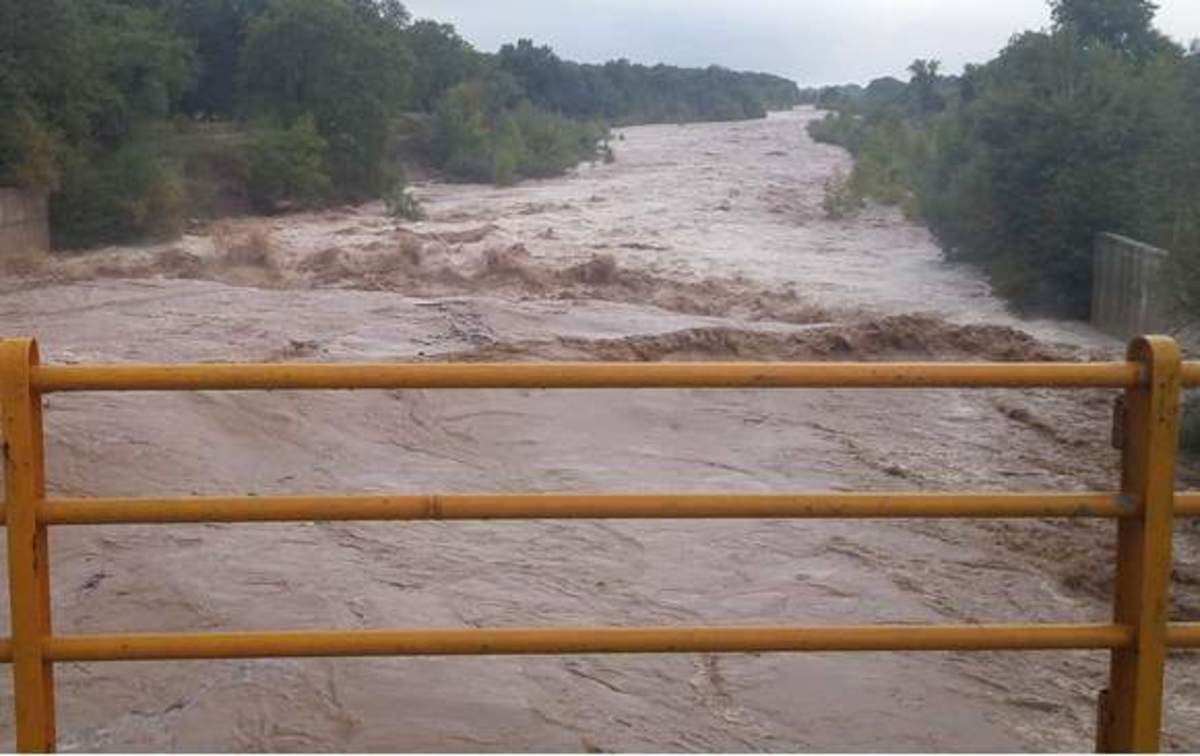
(701, 242)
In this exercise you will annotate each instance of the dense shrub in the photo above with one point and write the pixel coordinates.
(840, 200)
(483, 131)
(843, 128)
(554, 144)
(287, 166)
(461, 131)
(128, 194)
(213, 157)
(29, 151)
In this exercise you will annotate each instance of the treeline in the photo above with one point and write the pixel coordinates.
(625, 93)
(1017, 164)
(135, 113)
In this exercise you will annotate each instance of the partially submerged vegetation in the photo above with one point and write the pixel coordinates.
(1018, 164)
(136, 114)
(484, 130)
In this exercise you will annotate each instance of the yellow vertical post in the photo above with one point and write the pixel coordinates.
(1131, 708)
(28, 562)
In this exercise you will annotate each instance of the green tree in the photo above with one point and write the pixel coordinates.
(80, 83)
(441, 59)
(924, 86)
(143, 67)
(118, 195)
(389, 13)
(79, 74)
(1125, 25)
(508, 151)
(44, 83)
(216, 28)
(1054, 137)
(462, 139)
(320, 57)
(1090, 127)
(485, 130)
(30, 151)
(287, 165)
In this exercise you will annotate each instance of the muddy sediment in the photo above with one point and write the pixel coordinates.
(895, 337)
(701, 242)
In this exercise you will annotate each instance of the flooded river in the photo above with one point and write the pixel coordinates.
(700, 242)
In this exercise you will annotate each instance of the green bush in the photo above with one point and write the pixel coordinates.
(842, 128)
(508, 152)
(460, 138)
(129, 194)
(841, 199)
(29, 151)
(212, 156)
(287, 166)
(483, 132)
(886, 168)
(554, 144)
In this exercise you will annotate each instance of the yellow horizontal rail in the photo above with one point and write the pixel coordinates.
(1137, 637)
(571, 506)
(584, 640)
(456, 641)
(1190, 374)
(1184, 635)
(568, 375)
(582, 506)
(1187, 504)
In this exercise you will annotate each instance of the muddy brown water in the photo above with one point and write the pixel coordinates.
(701, 242)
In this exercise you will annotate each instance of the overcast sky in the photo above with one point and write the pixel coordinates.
(811, 41)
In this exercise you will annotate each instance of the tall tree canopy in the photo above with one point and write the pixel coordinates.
(75, 74)
(325, 59)
(1123, 25)
(441, 59)
(630, 93)
(217, 28)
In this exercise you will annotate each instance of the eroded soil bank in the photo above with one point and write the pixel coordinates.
(701, 242)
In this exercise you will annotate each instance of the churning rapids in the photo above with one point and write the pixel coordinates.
(701, 242)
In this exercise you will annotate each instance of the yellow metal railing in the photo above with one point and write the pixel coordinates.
(1144, 508)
